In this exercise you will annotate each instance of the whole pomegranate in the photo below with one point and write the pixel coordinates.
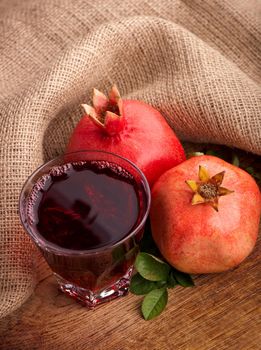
(132, 129)
(205, 215)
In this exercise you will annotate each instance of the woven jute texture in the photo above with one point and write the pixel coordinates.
(196, 61)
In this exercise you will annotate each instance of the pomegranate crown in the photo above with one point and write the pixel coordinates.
(106, 112)
(208, 189)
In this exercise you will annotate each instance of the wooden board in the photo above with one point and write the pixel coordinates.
(221, 312)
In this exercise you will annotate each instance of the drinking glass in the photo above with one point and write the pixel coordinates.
(95, 275)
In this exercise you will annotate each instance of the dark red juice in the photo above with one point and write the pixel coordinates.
(87, 206)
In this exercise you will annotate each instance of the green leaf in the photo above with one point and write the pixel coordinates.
(183, 279)
(235, 160)
(132, 252)
(172, 282)
(250, 170)
(161, 284)
(154, 303)
(255, 174)
(118, 253)
(151, 268)
(194, 154)
(212, 153)
(140, 286)
(218, 153)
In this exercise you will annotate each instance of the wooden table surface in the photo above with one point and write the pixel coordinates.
(221, 312)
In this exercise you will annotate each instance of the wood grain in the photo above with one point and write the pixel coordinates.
(221, 312)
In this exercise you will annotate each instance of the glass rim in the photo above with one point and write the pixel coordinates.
(44, 244)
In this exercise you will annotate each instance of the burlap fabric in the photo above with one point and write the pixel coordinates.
(196, 61)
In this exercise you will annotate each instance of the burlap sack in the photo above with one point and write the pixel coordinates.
(196, 61)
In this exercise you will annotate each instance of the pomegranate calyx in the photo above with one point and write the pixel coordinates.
(99, 101)
(208, 189)
(90, 111)
(106, 113)
(112, 123)
(114, 95)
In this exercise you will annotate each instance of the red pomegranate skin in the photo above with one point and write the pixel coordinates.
(143, 136)
(196, 238)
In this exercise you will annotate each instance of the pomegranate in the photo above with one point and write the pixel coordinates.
(205, 215)
(129, 128)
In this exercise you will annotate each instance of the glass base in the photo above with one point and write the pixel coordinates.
(92, 299)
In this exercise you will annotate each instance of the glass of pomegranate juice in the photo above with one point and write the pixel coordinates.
(86, 212)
